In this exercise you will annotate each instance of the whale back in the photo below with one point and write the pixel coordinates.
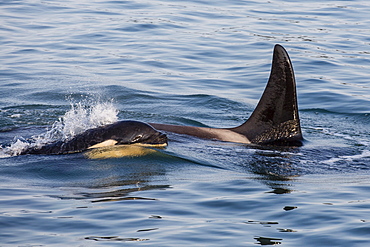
(276, 120)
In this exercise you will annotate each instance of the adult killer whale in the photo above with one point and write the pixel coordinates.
(275, 121)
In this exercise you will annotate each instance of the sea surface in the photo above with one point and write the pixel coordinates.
(67, 66)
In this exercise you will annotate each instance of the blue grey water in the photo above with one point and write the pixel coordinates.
(70, 65)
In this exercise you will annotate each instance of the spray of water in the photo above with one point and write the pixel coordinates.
(82, 116)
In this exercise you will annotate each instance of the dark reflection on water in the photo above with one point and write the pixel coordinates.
(122, 194)
(268, 241)
(115, 238)
(279, 190)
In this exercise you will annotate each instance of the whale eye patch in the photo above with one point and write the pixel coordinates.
(137, 138)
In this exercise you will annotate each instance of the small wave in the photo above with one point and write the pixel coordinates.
(364, 154)
(82, 116)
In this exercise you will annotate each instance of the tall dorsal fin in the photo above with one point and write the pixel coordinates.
(275, 119)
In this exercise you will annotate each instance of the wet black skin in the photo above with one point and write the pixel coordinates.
(275, 121)
(124, 132)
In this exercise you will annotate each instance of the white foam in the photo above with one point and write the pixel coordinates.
(14, 149)
(364, 154)
(82, 116)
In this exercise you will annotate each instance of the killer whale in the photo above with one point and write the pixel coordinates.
(119, 133)
(275, 120)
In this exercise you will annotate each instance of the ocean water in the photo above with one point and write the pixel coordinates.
(67, 66)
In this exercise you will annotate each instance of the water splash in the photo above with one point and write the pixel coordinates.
(82, 116)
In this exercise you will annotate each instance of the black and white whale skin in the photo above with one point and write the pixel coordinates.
(119, 133)
(275, 121)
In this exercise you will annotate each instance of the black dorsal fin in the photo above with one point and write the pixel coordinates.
(275, 120)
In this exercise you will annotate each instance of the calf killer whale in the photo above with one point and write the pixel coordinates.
(275, 121)
(119, 133)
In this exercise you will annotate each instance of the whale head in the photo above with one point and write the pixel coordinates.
(135, 132)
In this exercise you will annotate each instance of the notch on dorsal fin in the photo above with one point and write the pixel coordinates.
(275, 120)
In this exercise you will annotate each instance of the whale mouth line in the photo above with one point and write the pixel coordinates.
(149, 145)
(157, 140)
